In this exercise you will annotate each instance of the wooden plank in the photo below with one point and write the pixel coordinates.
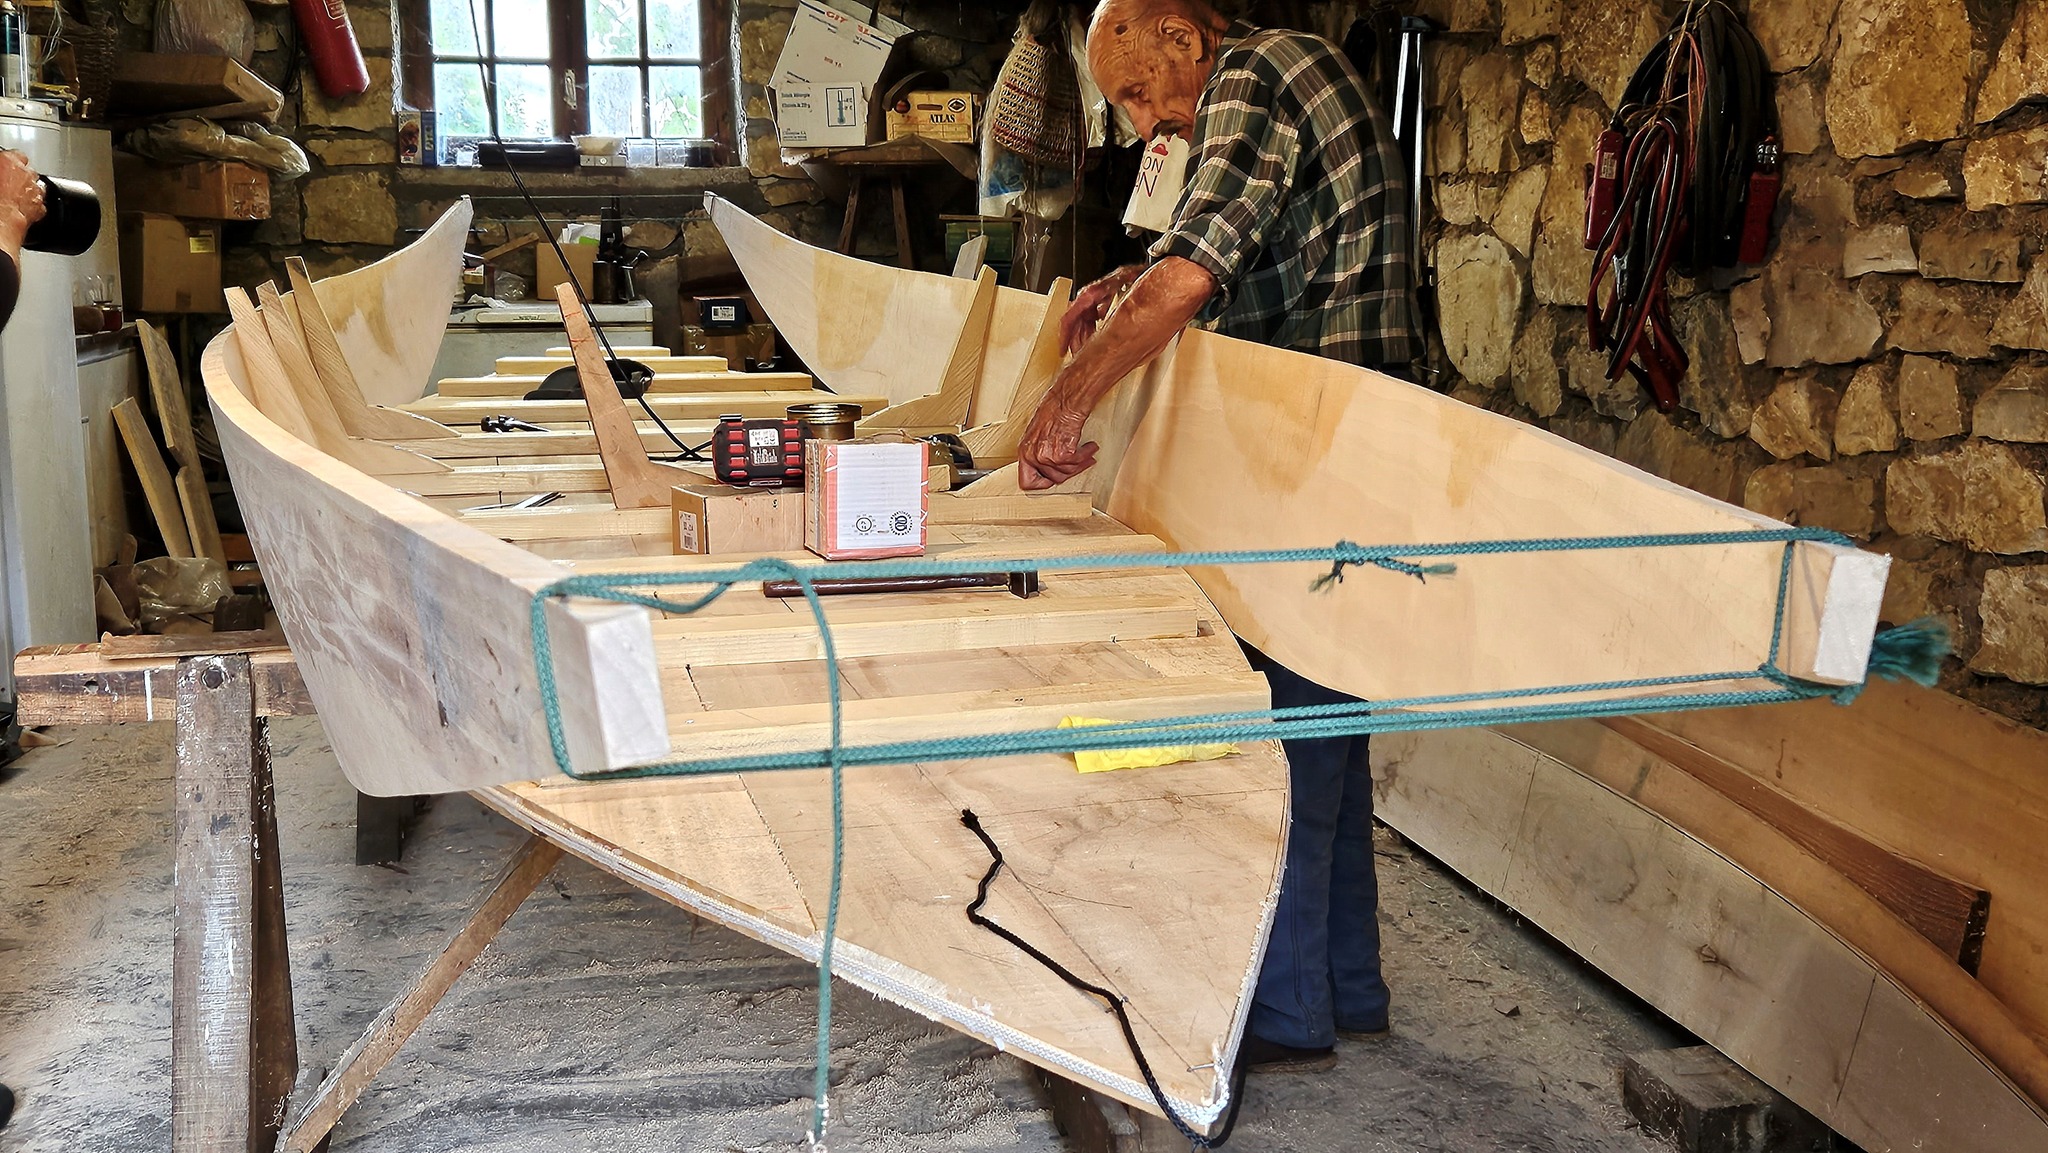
(76, 685)
(358, 417)
(282, 400)
(634, 351)
(142, 647)
(1946, 911)
(515, 447)
(961, 508)
(947, 408)
(1686, 929)
(513, 387)
(772, 729)
(196, 503)
(997, 620)
(1929, 776)
(230, 1071)
(635, 481)
(671, 406)
(659, 362)
(359, 1066)
(509, 482)
(167, 392)
(157, 486)
(159, 82)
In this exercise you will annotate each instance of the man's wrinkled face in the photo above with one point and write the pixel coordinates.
(1154, 70)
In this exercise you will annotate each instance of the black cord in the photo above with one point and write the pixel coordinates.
(1109, 997)
(547, 233)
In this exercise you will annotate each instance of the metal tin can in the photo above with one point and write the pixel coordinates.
(825, 421)
(13, 53)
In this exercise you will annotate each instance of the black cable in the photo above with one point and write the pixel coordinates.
(1108, 996)
(547, 233)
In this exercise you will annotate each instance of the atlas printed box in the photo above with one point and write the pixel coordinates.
(934, 116)
(866, 499)
(717, 518)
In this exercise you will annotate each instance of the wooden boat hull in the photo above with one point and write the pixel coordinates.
(410, 628)
(1714, 914)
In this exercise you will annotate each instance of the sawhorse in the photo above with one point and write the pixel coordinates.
(234, 1049)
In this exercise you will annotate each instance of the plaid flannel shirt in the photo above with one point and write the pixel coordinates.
(1296, 203)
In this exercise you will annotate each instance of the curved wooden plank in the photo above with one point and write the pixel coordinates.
(862, 349)
(389, 321)
(949, 405)
(1931, 776)
(1688, 929)
(358, 417)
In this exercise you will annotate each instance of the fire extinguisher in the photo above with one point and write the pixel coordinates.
(337, 61)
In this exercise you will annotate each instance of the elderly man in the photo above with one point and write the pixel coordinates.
(1291, 233)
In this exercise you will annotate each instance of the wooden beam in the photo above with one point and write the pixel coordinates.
(556, 523)
(505, 447)
(77, 685)
(1726, 953)
(636, 481)
(196, 503)
(776, 728)
(359, 1066)
(158, 488)
(996, 620)
(233, 1051)
(358, 417)
(515, 387)
(672, 407)
(659, 362)
(947, 408)
(509, 481)
(960, 508)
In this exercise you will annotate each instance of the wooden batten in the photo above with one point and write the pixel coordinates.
(158, 488)
(658, 360)
(331, 366)
(515, 387)
(672, 407)
(995, 442)
(167, 393)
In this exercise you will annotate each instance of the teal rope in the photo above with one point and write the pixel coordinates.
(1912, 652)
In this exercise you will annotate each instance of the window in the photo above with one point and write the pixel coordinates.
(641, 69)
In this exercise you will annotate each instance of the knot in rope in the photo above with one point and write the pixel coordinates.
(1358, 555)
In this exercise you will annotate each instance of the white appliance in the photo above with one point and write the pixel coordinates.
(46, 519)
(477, 337)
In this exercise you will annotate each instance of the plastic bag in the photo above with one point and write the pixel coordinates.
(206, 28)
(191, 138)
(177, 589)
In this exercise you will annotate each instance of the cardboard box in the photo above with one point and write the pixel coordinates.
(207, 189)
(170, 265)
(866, 498)
(935, 116)
(756, 342)
(824, 82)
(547, 268)
(717, 518)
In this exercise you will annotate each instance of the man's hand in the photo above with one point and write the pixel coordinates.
(1088, 309)
(1051, 451)
(21, 200)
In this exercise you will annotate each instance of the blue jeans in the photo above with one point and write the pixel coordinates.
(1322, 969)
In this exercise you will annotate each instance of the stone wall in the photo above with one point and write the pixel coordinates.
(358, 202)
(1881, 373)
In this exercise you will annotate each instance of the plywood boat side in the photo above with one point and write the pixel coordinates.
(410, 626)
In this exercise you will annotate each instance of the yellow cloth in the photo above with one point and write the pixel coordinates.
(1105, 760)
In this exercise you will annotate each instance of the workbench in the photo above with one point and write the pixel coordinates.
(234, 1048)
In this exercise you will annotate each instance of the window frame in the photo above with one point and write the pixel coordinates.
(568, 53)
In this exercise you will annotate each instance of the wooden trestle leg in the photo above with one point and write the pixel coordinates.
(234, 1052)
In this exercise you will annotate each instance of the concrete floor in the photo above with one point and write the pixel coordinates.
(604, 1019)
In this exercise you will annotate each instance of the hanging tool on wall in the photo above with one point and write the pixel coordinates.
(1685, 179)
